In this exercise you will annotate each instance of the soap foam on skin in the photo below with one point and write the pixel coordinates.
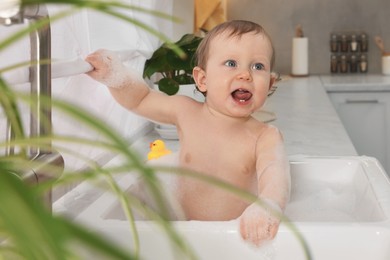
(280, 156)
(168, 184)
(264, 218)
(117, 75)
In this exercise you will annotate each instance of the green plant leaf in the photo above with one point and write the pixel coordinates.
(184, 79)
(157, 63)
(33, 236)
(171, 65)
(168, 86)
(41, 235)
(177, 63)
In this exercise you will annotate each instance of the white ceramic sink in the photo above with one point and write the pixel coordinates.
(333, 190)
(341, 207)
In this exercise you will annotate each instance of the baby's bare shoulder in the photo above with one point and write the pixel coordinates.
(269, 134)
(185, 109)
(263, 129)
(185, 106)
(184, 101)
(271, 130)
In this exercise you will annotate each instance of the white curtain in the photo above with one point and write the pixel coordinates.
(75, 37)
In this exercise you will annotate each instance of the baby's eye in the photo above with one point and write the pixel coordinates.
(258, 66)
(231, 63)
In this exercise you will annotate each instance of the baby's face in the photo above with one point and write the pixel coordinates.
(238, 73)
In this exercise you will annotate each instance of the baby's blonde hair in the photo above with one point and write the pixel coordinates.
(235, 28)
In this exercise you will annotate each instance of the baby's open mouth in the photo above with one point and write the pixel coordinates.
(241, 95)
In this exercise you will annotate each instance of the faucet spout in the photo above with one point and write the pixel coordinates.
(40, 109)
(40, 73)
(40, 78)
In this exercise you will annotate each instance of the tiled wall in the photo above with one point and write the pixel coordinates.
(319, 19)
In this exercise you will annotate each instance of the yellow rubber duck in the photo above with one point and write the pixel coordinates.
(157, 149)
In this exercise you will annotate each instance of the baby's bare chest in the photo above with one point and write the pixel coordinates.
(233, 160)
(226, 150)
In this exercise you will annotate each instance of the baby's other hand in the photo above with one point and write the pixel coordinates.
(108, 68)
(258, 224)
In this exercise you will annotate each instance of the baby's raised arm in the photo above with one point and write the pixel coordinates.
(260, 223)
(122, 82)
(129, 88)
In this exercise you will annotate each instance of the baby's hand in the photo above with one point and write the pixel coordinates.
(108, 69)
(259, 224)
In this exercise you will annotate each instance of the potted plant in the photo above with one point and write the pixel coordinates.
(174, 70)
(174, 74)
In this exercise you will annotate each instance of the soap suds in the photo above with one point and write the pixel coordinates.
(110, 71)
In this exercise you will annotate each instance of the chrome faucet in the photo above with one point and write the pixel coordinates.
(40, 110)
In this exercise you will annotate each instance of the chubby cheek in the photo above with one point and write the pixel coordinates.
(219, 87)
(223, 79)
(261, 93)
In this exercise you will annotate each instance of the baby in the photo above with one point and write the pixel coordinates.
(219, 137)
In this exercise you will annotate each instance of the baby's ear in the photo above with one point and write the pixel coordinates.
(199, 76)
(275, 77)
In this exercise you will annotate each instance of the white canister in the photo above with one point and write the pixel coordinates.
(386, 64)
(300, 56)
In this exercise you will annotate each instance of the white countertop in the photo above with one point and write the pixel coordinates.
(307, 119)
(359, 82)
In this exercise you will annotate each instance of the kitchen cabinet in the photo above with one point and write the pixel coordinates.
(366, 117)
